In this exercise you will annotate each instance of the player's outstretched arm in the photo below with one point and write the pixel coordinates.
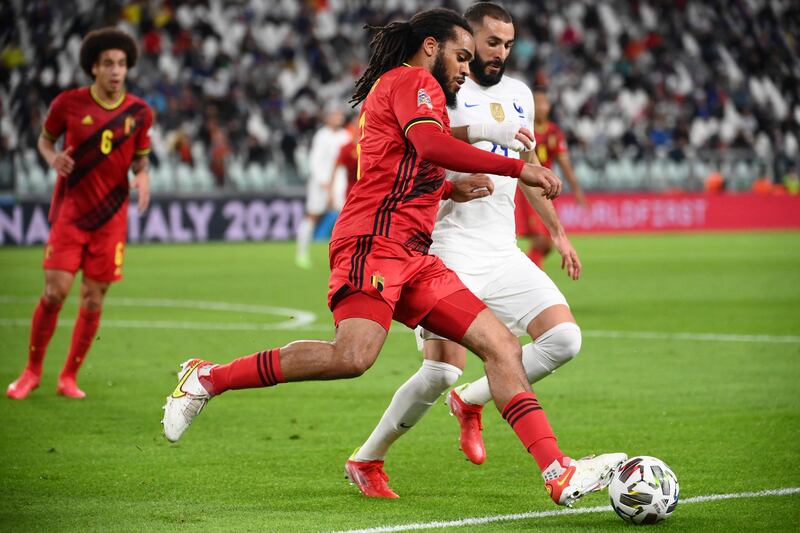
(62, 161)
(547, 212)
(440, 149)
(505, 134)
(141, 182)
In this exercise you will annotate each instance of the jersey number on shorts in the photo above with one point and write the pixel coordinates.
(106, 143)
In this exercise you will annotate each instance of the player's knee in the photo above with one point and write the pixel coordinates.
(439, 376)
(353, 362)
(55, 295)
(561, 343)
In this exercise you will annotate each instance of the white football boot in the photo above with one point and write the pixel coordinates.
(187, 400)
(567, 482)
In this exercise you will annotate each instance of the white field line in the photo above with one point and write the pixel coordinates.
(546, 514)
(290, 325)
(306, 321)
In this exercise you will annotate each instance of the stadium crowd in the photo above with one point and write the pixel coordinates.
(238, 87)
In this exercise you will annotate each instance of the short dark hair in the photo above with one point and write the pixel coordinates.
(478, 10)
(399, 41)
(98, 41)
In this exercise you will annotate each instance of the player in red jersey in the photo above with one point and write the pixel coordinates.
(348, 159)
(551, 146)
(106, 134)
(379, 266)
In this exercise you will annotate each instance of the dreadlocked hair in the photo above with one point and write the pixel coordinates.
(397, 42)
(98, 41)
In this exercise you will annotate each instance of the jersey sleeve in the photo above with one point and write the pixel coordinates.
(417, 98)
(142, 146)
(56, 122)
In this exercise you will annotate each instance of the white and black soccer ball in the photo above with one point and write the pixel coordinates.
(644, 490)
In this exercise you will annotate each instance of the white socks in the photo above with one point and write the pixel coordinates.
(409, 404)
(304, 234)
(555, 347)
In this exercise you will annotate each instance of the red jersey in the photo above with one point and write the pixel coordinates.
(550, 142)
(348, 158)
(104, 140)
(397, 194)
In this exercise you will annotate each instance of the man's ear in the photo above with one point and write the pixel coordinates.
(430, 46)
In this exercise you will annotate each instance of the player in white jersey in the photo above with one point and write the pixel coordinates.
(323, 190)
(478, 241)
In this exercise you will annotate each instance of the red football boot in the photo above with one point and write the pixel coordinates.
(469, 418)
(20, 389)
(67, 386)
(370, 478)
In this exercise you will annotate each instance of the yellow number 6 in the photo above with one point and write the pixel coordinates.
(105, 141)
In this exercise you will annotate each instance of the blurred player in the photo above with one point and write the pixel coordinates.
(477, 241)
(321, 192)
(550, 146)
(380, 268)
(106, 133)
(348, 161)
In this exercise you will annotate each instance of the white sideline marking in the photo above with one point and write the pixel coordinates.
(580, 510)
(306, 321)
(717, 337)
(297, 317)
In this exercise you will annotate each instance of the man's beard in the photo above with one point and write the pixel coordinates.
(439, 73)
(478, 68)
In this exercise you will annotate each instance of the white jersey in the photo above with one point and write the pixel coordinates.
(325, 148)
(472, 237)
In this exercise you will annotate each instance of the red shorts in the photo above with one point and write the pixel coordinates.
(98, 253)
(380, 279)
(526, 218)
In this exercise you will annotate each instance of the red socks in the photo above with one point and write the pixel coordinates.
(529, 421)
(43, 324)
(82, 336)
(262, 369)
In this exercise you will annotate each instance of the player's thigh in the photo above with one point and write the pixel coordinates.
(359, 340)
(548, 319)
(489, 338)
(520, 292)
(64, 250)
(105, 252)
(93, 293)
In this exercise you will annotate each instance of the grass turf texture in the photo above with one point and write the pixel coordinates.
(724, 415)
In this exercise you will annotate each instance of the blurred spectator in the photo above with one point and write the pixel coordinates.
(629, 78)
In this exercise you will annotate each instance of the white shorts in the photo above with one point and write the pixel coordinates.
(318, 198)
(516, 291)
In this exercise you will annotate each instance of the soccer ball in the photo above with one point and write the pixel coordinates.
(644, 490)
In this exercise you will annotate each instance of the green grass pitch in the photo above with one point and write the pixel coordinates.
(722, 411)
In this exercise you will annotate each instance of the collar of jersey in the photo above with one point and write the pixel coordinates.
(101, 103)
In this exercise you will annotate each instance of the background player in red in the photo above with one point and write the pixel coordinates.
(551, 146)
(105, 134)
(380, 268)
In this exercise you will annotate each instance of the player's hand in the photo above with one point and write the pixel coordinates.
(569, 257)
(539, 176)
(141, 182)
(471, 187)
(505, 134)
(63, 162)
